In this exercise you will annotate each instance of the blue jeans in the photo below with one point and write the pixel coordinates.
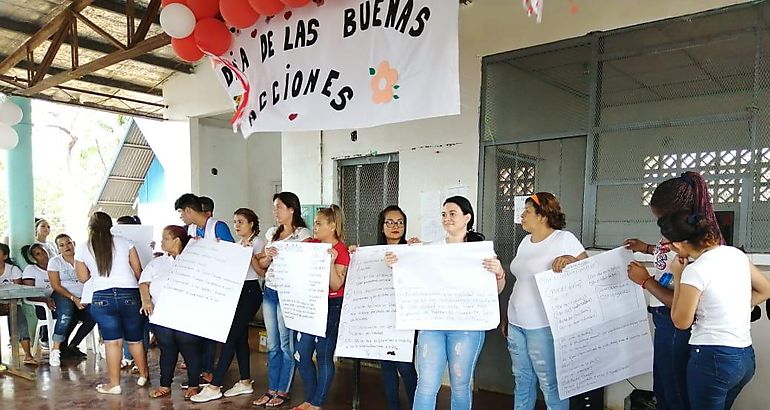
(280, 344)
(669, 368)
(318, 381)
(437, 348)
(716, 374)
(533, 360)
(390, 372)
(116, 310)
(67, 316)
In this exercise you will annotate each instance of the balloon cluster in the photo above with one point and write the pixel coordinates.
(10, 115)
(199, 27)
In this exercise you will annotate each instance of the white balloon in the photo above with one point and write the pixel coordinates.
(177, 20)
(8, 137)
(10, 113)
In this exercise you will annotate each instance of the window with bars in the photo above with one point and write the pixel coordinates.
(724, 170)
(515, 178)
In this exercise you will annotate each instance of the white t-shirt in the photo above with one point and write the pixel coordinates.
(299, 235)
(258, 245)
(121, 276)
(663, 256)
(10, 274)
(40, 276)
(157, 273)
(49, 248)
(723, 315)
(67, 275)
(525, 307)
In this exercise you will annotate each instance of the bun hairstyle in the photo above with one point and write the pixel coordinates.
(291, 201)
(252, 218)
(465, 206)
(333, 214)
(178, 232)
(547, 205)
(696, 229)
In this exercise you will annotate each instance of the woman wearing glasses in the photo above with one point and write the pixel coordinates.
(530, 341)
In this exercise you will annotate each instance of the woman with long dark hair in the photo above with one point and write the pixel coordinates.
(113, 266)
(280, 345)
(433, 357)
(714, 294)
(42, 231)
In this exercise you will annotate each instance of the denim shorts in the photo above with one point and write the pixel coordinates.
(116, 311)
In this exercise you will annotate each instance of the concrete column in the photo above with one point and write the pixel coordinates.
(21, 205)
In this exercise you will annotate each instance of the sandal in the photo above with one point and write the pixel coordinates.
(262, 401)
(278, 400)
(191, 391)
(124, 363)
(31, 361)
(160, 392)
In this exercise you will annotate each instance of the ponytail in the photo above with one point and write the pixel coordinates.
(465, 206)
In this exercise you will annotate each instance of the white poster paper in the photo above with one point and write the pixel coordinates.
(599, 322)
(519, 203)
(301, 271)
(445, 287)
(207, 279)
(368, 320)
(345, 64)
(140, 236)
(430, 217)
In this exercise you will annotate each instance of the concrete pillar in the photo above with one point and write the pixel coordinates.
(21, 205)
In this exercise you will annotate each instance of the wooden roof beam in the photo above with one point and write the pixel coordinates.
(61, 15)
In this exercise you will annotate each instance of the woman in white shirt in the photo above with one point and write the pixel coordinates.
(112, 265)
(67, 291)
(42, 231)
(714, 294)
(246, 225)
(11, 274)
(530, 341)
(171, 342)
(35, 274)
(280, 345)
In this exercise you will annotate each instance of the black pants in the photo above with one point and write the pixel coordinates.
(171, 343)
(237, 343)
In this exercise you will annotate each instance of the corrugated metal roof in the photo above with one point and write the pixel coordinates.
(120, 188)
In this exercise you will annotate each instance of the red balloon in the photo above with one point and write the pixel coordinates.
(212, 36)
(204, 9)
(165, 3)
(238, 13)
(267, 7)
(186, 49)
(295, 3)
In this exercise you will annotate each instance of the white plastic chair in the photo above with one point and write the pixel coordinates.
(93, 343)
(49, 322)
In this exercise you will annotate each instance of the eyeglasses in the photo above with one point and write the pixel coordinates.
(391, 223)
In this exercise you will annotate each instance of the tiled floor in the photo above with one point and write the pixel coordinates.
(72, 387)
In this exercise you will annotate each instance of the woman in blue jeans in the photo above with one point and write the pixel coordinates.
(317, 380)
(67, 293)
(688, 192)
(459, 349)
(112, 265)
(530, 341)
(280, 343)
(714, 294)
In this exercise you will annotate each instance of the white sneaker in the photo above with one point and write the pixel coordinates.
(240, 388)
(54, 358)
(207, 394)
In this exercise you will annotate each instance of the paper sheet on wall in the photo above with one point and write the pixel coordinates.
(445, 287)
(207, 279)
(599, 322)
(519, 203)
(461, 190)
(301, 272)
(368, 320)
(140, 236)
(430, 216)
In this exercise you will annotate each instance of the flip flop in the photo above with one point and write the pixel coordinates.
(160, 392)
(191, 391)
(262, 401)
(31, 362)
(278, 401)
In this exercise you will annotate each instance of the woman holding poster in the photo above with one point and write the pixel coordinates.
(714, 295)
(530, 341)
(171, 342)
(280, 344)
(460, 349)
(114, 268)
(327, 228)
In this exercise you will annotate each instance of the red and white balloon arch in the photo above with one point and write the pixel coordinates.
(200, 27)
